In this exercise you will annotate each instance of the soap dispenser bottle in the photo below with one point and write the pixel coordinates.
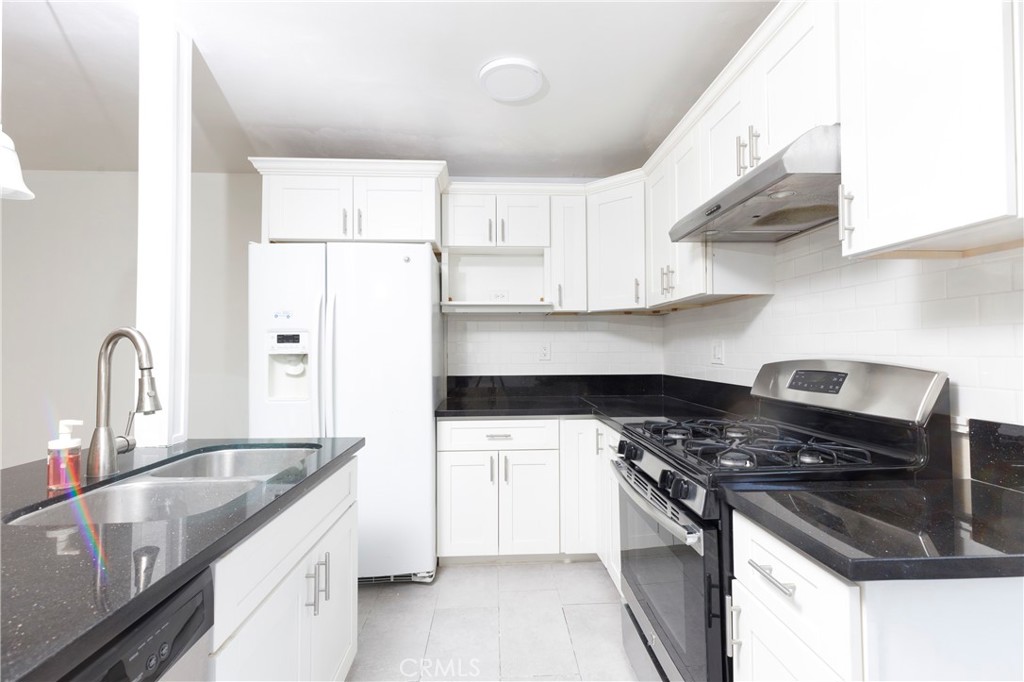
(63, 458)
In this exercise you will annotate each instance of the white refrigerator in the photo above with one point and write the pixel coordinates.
(345, 340)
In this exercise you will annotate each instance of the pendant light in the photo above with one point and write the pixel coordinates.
(12, 185)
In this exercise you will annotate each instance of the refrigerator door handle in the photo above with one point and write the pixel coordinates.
(321, 403)
(329, 346)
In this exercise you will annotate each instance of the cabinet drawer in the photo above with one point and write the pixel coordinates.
(525, 434)
(821, 608)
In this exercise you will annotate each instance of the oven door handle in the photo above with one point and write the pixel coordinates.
(691, 536)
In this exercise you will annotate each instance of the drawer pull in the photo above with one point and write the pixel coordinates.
(499, 436)
(766, 572)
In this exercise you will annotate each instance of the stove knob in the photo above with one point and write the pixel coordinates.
(622, 447)
(632, 452)
(680, 488)
(666, 478)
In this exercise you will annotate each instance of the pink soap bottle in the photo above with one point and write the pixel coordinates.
(63, 458)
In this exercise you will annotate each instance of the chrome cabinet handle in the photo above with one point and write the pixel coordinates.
(598, 441)
(344, 221)
(359, 221)
(732, 626)
(766, 572)
(740, 146)
(560, 296)
(327, 576)
(636, 290)
(491, 467)
(315, 575)
(506, 469)
(753, 136)
(845, 204)
(670, 274)
(503, 230)
(499, 436)
(490, 229)
(661, 279)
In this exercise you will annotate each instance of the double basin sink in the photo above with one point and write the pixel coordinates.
(195, 484)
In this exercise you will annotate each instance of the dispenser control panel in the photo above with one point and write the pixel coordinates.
(288, 343)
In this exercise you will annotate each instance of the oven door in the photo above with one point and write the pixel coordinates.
(671, 580)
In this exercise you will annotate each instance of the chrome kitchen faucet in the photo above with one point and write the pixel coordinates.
(104, 447)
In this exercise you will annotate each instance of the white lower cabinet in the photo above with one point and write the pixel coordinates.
(580, 459)
(285, 606)
(607, 498)
(497, 501)
(767, 650)
(791, 618)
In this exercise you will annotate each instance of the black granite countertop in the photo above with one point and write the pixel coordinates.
(68, 590)
(893, 530)
(499, 406)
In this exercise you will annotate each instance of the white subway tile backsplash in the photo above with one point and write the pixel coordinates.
(924, 287)
(1005, 308)
(984, 278)
(961, 316)
(950, 312)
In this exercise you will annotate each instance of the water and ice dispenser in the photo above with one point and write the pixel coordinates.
(288, 375)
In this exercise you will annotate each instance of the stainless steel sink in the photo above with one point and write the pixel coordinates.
(235, 463)
(137, 501)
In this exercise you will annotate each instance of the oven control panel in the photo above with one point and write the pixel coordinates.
(817, 381)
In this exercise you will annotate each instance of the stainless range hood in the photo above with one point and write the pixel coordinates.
(794, 190)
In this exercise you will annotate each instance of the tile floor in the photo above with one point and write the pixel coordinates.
(523, 621)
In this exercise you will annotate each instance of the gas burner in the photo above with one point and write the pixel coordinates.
(811, 456)
(737, 459)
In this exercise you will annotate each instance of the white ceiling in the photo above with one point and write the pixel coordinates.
(374, 79)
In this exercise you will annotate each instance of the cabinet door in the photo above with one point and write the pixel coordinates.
(660, 213)
(569, 253)
(607, 498)
(767, 650)
(469, 220)
(332, 645)
(307, 207)
(467, 503)
(524, 220)
(723, 138)
(395, 209)
(687, 271)
(615, 248)
(794, 80)
(273, 643)
(528, 509)
(579, 459)
(928, 133)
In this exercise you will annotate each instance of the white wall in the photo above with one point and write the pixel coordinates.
(225, 218)
(591, 344)
(961, 316)
(69, 262)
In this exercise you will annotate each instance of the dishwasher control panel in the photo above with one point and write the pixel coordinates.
(151, 645)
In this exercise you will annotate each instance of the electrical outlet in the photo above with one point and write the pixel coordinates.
(545, 352)
(718, 352)
(499, 296)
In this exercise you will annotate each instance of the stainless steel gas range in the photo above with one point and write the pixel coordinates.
(813, 419)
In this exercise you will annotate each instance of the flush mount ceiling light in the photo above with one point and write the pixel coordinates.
(511, 79)
(782, 194)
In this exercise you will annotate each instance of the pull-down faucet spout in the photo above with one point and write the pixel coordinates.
(103, 449)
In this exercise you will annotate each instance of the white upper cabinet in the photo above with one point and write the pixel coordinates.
(793, 81)
(660, 214)
(930, 138)
(340, 199)
(477, 219)
(390, 209)
(569, 253)
(787, 87)
(615, 244)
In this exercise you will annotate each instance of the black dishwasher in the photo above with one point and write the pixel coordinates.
(150, 646)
